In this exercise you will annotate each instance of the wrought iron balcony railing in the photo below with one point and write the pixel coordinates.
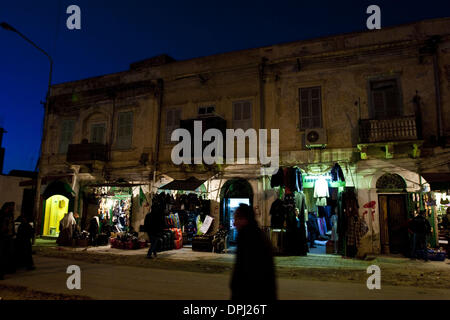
(395, 129)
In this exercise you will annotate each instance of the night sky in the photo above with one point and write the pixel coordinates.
(117, 33)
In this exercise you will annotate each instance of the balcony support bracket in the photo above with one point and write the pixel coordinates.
(389, 151)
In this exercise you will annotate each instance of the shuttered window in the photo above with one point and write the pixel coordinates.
(385, 97)
(242, 115)
(173, 117)
(98, 133)
(67, 127)
(125, 130)
(310, 108)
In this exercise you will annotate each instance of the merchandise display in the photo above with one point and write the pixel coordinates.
(308, 211)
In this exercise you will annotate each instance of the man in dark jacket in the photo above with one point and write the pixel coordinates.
(153, 226)
(254, 274)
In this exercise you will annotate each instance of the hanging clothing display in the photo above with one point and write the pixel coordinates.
(337, 174)
(278, 214)
(296, 236)
(321, 191)
(321, 188)
(356, 229)
(300, 203)
(277, 179)
(288, 177)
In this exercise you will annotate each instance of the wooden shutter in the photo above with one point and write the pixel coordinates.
(98, 133)
(242, 115)
(172, 122)
(125, 130)
(67, 127)
(310, 107)
(385, 99)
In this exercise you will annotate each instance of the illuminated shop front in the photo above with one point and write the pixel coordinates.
(55, 208)
(315, 211)
(58, 200)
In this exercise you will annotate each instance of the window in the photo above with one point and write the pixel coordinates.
(205, 110)
(98, 133)
(173, 117)
(242, 115)
(125, 130)
(385, 99)
(67, 127)
(310, 108)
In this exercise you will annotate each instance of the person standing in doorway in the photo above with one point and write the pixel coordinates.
(253, 275)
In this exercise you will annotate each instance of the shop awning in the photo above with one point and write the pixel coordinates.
(189, 184)
(438, 181)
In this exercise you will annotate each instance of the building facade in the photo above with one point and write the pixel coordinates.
(377, 103)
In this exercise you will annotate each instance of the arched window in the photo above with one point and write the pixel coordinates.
(391, 181)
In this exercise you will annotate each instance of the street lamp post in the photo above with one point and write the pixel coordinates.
(8, 27)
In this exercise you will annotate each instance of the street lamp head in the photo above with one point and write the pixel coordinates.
(8, 27)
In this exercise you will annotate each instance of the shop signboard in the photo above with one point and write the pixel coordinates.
(206, 224)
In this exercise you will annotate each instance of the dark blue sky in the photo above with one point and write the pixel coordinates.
(116, 33)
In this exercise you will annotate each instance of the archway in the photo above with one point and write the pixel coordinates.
(55, 208)
(58, 200)
(233, 193)
(391, 182)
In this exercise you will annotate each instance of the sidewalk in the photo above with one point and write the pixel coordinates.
(310, 261)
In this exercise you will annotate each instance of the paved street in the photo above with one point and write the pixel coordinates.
(106, 281)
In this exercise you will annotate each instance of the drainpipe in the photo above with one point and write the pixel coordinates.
(262, 126)
(160, 93)
(112, 95)
(434, 44)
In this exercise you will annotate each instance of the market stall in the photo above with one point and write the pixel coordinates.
(314, 212)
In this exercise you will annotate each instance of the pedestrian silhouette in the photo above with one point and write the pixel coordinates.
(253, 276)
(7, 233)
(153, 225)
(23, 247)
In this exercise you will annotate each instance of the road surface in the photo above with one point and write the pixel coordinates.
(105, 281)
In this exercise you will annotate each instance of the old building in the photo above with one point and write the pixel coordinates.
(376, 102)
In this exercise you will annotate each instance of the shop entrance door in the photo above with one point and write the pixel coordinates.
(232, 204)
(393, 223)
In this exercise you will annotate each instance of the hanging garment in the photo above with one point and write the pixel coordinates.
(300, 204)
(356, 229)
(310, 201)
(277, 179)
(321, 202)
(278, 214)
(321, 188)
(334, 223)
(286, 181)
(300, 201)
(295, 231)
(337, 174)
(293, 180)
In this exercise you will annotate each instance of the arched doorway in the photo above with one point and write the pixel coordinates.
(392, 199)
(233, 193)
(58, 200)
(55, 208)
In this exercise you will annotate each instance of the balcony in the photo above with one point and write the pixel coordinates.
(389, 130)
(87, 153)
